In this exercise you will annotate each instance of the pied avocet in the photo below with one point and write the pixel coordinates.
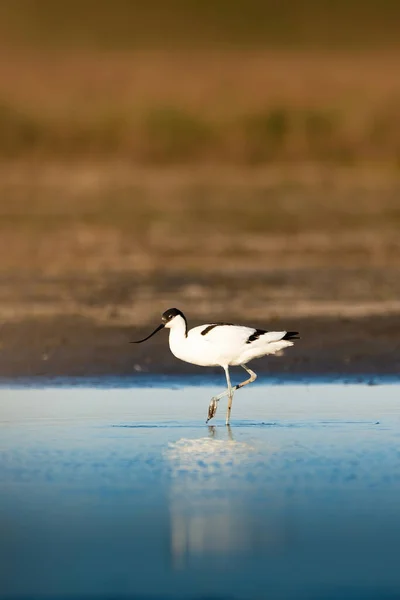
(221, 344)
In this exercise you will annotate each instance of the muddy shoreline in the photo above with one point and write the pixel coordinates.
(92, 255)
(78, 347)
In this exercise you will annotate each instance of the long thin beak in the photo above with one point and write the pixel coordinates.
(149, 336)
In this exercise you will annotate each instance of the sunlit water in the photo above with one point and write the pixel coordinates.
(127, 492)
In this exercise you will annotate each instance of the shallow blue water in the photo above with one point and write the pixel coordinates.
(127, 492)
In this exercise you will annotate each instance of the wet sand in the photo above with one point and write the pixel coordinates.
(91, 255)
(72, 346)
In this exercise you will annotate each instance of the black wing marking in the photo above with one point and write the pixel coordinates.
(291, 335)
(255, 335)
(211, 327)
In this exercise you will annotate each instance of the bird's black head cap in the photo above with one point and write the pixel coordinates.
(169, 314)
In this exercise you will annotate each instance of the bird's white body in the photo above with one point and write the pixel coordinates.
(221, 344)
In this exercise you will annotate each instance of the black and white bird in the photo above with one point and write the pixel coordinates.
(223, 345)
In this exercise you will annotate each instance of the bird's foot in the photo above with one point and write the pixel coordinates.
(212, 409)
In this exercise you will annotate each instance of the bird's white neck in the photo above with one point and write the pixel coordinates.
(178, 330)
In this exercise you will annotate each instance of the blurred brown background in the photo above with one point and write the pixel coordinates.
(239, 160)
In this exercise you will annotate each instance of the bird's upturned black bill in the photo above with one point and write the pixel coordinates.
(149, 336)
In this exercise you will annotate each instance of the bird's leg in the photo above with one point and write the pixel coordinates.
(231, 389)
(252, 378)
(212, 409)
(230, 396)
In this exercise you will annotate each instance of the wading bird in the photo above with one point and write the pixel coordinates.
(223, 345)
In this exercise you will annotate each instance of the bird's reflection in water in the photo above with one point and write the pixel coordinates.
(212, 497)
(212, 431)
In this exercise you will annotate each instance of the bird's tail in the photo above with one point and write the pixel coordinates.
(284, 341)
(291, 335)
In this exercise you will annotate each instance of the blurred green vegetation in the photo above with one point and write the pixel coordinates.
(170, 135)
(130, 24)
(186, 81)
